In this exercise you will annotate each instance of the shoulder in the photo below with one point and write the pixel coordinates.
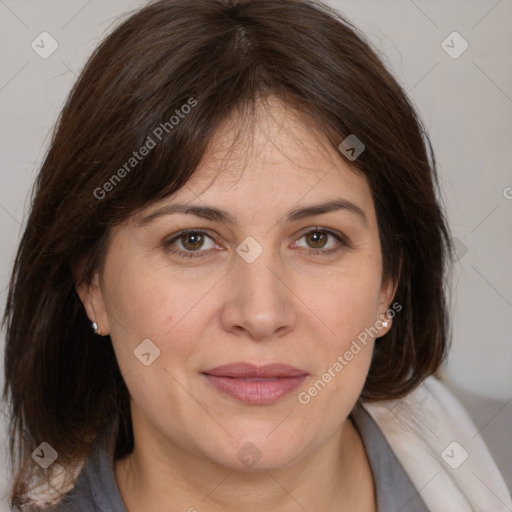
(80, 497)
(441, 450)
(95, 488)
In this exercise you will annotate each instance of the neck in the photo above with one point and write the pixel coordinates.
(336, 476)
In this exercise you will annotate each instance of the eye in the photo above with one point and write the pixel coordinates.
(191, 241)
(318, 238)
(193, 245)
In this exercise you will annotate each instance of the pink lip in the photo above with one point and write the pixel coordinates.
(253, 384)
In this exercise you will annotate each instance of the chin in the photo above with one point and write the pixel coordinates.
(257, 453)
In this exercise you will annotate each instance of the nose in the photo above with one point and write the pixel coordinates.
(258, 301)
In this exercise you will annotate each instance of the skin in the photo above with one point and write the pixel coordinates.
(289, 306)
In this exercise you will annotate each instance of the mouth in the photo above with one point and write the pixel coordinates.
(253, 384)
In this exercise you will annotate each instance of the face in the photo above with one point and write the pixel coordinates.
(280, 298)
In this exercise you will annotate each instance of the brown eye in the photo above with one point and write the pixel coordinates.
(192, 241)
(317, 240)
(189, 244)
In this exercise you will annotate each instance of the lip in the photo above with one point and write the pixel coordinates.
(254, 384)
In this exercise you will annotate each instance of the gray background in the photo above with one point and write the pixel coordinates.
(465, 102)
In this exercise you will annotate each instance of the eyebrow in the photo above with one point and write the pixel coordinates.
(215, 214)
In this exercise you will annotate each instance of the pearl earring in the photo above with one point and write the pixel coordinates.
(385, 324)
(95, 328)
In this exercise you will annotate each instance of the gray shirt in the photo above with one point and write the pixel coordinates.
(96, 487)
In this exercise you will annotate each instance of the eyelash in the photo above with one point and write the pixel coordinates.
(197, 254)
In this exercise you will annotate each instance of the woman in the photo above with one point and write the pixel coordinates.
(230, 293)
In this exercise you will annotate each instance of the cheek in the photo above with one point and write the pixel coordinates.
(139, 297)
(147, 301)
(346, 350)
(349, 304)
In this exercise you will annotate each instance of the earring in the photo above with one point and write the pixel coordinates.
(385, 324)
(95, 328)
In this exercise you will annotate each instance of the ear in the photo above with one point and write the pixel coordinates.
(387, 293)
(92, 298)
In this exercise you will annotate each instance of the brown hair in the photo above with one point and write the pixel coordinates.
(62, 381)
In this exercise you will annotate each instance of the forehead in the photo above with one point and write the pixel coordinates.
(272, 151)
